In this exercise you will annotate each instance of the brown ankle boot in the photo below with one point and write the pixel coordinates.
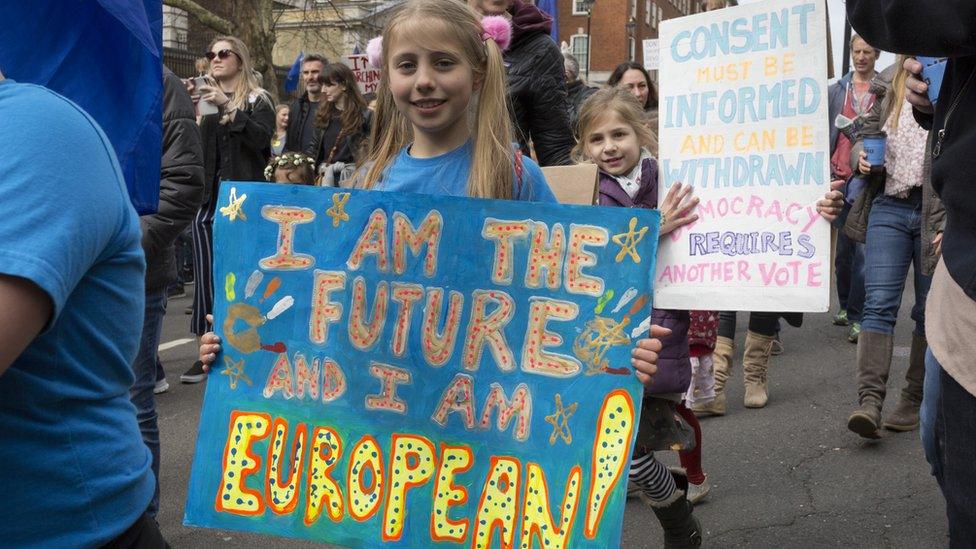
(755, 363)
(866, 420)
(722, 367)
(905, 415)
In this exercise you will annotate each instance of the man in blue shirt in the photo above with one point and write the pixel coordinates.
(73, 467)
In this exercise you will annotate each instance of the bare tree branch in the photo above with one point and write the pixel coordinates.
(204, 15)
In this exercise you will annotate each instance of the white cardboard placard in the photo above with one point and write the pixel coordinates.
(743, 119)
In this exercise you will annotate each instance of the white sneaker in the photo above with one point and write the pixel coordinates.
(697, 492)
(161, 387)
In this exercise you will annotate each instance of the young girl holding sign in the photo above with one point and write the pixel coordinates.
(442, 124)
(614, 137)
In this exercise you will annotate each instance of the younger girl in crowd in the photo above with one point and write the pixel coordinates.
(291, 168)
(341, 122)
(281, 128)
(442, 124)
(614, 137)
(702, 333)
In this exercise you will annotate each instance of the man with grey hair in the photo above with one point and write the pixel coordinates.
(576, 89)
(301, 121)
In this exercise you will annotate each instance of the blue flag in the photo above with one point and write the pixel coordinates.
(106, 56)
(551, 8)
(294, 75)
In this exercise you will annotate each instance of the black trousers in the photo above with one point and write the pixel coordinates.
(766, 324)
(143, 534)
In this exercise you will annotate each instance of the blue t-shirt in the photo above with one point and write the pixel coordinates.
(73, 468)
(447, 174)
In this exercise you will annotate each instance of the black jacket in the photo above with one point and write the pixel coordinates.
(297, 113)
(940, 29)
(577, 93)
(349, 150)
(537, 87)
(245, 145)
(180, 184)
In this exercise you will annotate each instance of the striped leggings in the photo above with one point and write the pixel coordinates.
(653, 478)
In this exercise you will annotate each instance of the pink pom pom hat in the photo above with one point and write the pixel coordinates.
(497, 28)
(374, 52)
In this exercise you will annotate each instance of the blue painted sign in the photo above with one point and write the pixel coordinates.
(408, 369)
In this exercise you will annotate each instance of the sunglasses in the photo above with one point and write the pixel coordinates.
(222, 54)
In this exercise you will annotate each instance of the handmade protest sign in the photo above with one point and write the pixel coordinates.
(652, 54)
(367, 77)
(743, 119)
(407, 369)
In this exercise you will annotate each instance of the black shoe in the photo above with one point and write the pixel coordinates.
(188, 310)
(177, 291)
(195, 374)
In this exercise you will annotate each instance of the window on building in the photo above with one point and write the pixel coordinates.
(633, 9)
(579, 7)
(579, 45)
(647, 12)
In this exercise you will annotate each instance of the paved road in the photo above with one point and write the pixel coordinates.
(789, 475)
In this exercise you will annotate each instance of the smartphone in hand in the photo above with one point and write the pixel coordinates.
(203, 107)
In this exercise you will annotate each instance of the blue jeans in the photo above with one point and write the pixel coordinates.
(955, 436)
(894, 242)
(928, 413)
(141, 393)
(849, 266)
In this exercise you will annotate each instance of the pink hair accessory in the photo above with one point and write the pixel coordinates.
(374, 52)
(499, 29)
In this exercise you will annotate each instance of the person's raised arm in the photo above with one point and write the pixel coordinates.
(24, 311)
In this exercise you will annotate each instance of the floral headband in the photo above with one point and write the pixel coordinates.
(494, 27)
(287, 160)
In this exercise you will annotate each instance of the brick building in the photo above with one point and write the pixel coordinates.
(617, 29)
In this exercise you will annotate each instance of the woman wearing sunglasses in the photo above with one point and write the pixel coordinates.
(236, 146)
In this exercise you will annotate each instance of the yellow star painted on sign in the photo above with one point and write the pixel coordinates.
(337, 211)
(628, 242)
(560, 421)
(233, 208)
(599, 336)
(235, 371)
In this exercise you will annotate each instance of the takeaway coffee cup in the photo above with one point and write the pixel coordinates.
(933, 68)
(874, 147)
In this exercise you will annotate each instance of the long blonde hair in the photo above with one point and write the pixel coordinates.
(605, 101)
(896, 95)
(247, 84)
(491, 165)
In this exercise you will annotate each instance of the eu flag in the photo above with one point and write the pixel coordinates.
(106, 56)
(294, 75)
